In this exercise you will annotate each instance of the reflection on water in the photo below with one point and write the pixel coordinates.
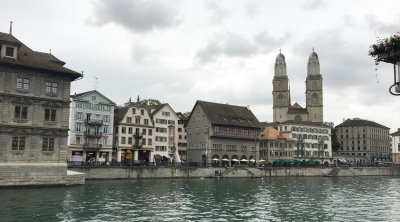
(268, 199)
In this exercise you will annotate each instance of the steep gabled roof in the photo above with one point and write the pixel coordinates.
(361, 122)
(76, 96)
(36, 60)
(119, 114)
(396, 133)
(229, 115)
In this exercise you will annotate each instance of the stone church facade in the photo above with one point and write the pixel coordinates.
(283, 110)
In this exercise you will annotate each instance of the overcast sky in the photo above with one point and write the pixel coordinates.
(221, 51)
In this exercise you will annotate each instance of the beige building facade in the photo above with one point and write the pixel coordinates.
(34, 112)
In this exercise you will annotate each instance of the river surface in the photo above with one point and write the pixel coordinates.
(261, 199)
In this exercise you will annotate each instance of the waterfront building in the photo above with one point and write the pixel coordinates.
(274, 145)
(182, 141)
(165, 133)
(283, 110)
(222, 134)
(363, 141)
(133, 133)
(313, 139)
(34, 105)
(91, 127)
(395, 142)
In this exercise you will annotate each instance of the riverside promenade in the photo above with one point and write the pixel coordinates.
(147, 172)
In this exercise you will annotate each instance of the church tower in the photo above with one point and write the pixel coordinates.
(314, 95)
(280, 91)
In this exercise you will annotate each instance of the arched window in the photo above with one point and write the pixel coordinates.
(314, 99)
(297, 118)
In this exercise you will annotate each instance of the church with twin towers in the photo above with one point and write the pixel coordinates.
(283, 110)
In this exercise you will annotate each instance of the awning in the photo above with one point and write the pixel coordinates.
(225, 159)
(261, 160)
(244, 160)
(215, 159)
(252, 160)
(235, 160)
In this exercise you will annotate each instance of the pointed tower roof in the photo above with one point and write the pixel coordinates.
(313, 64)
(280, 65)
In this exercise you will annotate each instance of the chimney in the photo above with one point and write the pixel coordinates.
(11, 22)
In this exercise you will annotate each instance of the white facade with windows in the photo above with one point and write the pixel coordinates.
(91, 124)
(312, 140)
(396, 146)
(166, 133)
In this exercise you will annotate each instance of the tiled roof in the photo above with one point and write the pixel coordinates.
(293, 110)
(156, 108)
(32, 59)
(360, 122)
(396, 133)
(119, 114)
(270, 133)
(230, 115)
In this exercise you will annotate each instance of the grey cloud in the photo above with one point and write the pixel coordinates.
(380, 26)
(312, 4)
(236, 46)
(136, 15)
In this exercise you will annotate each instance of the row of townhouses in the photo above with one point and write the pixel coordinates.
(42, 125)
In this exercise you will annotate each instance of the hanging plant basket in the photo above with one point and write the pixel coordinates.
(386, 50)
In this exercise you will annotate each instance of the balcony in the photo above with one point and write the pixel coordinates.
(93, 134)
(137, 135)
(94, 122)
(92, 146)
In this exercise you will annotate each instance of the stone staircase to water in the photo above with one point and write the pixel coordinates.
(334, 172)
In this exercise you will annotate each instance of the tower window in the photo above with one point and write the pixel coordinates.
(314, 99)
(10, 51)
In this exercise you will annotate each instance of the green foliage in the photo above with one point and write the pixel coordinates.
(385, 45)
(150, 102)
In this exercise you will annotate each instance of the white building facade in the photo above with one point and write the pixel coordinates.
(396, 146)
(165, 133)
(91, 127)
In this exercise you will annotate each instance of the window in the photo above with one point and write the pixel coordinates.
(143, 141)
(93, 97)
(171, 122)
(22, 83)
(21, 112)
(142, 112)
(123, 130)
(137, 120)
(165, 113)
(161, 148)
(105, 129)
(105, 119)
(78, 128)
(150, 133)
(180, 130)
(146, 122)
(129, 119)
(161, 130)
(18, 143)
(129, 140)
(79, 115)
(144, 132)
(78, 140)
(161, 139)
(50, 115)
(133, 111)
(51, 87)
(149, 141)
(10, 51)
(123, 140)
(130, 130)
(48, 144)
(161, 121)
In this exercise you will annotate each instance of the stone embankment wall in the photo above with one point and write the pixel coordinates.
(182, 172)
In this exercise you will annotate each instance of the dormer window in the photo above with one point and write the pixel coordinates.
(10, 51)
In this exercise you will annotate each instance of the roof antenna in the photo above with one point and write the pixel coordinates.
(11, 22)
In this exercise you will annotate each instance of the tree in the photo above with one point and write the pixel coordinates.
(150, 102)
(335, 142)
